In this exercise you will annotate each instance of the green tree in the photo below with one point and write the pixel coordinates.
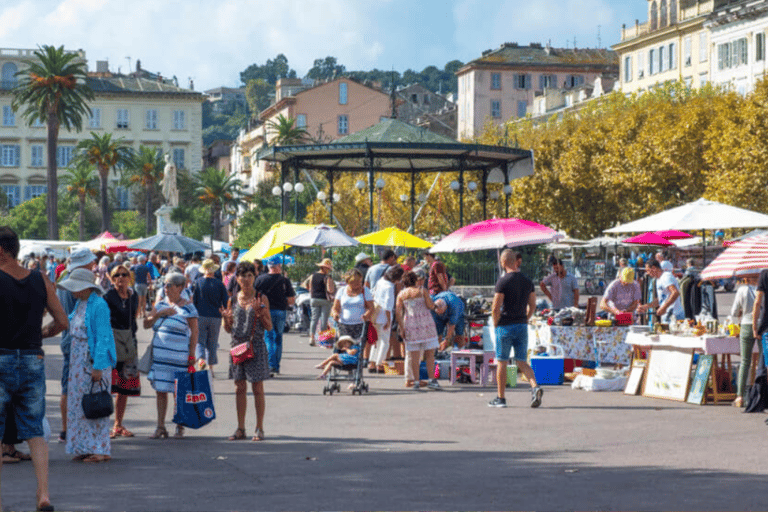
(285, 131)
(271, 71)
(257, 93)
(80, 181)
(53, 89)
(145, 170)
(105, 154)
(129, 223)
(221, 192)
(326, 69)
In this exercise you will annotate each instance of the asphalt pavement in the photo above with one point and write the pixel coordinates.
(398, 449)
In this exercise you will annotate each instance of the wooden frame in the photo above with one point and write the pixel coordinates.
(700, 382)
(669, 373)
(635, 379)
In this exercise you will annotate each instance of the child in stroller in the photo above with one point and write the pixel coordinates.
(346, 357)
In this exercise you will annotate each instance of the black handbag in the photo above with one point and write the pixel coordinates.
(98, 404)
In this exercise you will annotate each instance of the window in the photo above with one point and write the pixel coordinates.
(703, 80)
(33, 191)
(547, 82)
(663, 14)
(8, 77)
(342, 93)
(522, 108)
(9, 155)
(122, 118)
(688, 81)
(178, 158)
(672, 12)
(426, 99)
(651, 62)
(122, 198)
(36, 159)
(37, 123)
(495, 81)
(663, 65)
(151, 119)
(179, 120)
(64, 155)
(654, 18)
(703, 50)
(343, 125)
(415, 98)
(13, 193)
(522, 81)
(759, 46)
(95, 121)
(672, 56)
(733, 54)
(495, 109)
(627, 68)
(301, 120)
(640, 65)
(9, 119)
(687, 51)
(573, 81)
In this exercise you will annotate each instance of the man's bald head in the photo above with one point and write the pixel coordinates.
(509, 258)
(440, 306)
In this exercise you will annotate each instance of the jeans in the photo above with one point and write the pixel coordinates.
(321, 310)
(274, 338)
(22, 382)
(747, 343)
(208, 339)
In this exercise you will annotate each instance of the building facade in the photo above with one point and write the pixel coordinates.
(140, 111)
(674, 44)
(419, 106)
(502, 84)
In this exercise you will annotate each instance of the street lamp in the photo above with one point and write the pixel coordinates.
(507, 193)
(283, 192)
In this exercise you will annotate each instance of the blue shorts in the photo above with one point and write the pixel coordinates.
(347, 359)
(23, 382)
(509, 337)
(442, 326)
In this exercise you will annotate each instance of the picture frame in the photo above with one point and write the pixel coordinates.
(668, 374)
(635, 379)
(701, 379)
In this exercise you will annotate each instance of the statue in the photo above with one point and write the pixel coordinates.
(170, 192)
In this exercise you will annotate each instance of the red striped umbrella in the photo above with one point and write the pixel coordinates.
(750, 254)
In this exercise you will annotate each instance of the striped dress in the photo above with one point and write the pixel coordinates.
(170, 346)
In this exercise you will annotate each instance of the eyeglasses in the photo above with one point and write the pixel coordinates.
(120, 275)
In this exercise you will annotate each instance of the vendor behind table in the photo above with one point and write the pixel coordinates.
(623, 294)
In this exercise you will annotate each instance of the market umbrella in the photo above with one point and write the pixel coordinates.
(118, 245)
(97, 244)
(323, 236)
(274, 240)
(394, 237)
(750, 254)
(673, 234)
(494, 234)
(169, 242)
(647, 239)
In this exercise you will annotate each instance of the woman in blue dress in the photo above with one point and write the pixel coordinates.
(174, 320)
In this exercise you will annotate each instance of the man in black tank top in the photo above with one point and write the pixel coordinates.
(24, 296)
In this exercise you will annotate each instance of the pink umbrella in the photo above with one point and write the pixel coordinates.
(647, 239)
(672, 234)
(496, 233)
(742, 257)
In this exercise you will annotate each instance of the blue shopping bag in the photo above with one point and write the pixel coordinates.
(193, 404)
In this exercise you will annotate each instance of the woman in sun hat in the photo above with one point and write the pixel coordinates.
(91, 359)
(322, 289)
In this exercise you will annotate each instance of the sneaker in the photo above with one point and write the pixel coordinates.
(498, 402)
(433, 384)
(416, 386)
(63, 436)
(536, 394)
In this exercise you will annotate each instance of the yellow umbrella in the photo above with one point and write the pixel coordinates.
(274, 240)
(393, 237)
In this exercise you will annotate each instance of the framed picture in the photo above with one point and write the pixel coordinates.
(700, 381)
(668, 373)
(635, 378)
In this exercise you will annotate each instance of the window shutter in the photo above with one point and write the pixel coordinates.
(17, 156)
(27, 193)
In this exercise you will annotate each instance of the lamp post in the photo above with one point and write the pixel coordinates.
(380, 184)
(332, 198)
(283, 192)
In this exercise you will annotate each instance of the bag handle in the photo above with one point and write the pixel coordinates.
(102, 385)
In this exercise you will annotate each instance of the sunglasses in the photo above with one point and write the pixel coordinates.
(120, 275)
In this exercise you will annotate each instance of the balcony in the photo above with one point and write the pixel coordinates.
(639, 29)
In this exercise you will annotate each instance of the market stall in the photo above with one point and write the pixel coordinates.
(599, 344)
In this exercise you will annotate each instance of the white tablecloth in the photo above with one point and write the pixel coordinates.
(708, 344)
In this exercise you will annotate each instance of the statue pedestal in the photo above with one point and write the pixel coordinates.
(164, 222)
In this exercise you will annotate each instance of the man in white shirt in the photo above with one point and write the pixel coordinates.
(667, 299)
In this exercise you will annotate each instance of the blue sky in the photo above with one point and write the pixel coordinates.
(212, 42)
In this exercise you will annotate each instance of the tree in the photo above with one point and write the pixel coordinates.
(53, 89)
(146, 170)
(285, 132)
(257, 93)
(270, 72)
(81, 182)
(105, 154)
(221, 192)
(326, 69)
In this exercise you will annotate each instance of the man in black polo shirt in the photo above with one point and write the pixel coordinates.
(280, 293)
(513, 305)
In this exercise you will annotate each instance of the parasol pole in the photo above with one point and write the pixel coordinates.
(703, 248)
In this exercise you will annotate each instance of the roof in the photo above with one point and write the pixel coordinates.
(510, 54)
(126, 85)
(392, 130)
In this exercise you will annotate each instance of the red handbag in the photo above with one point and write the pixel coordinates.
(241, 353)
(372, 335)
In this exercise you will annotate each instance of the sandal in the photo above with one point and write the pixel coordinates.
(125, 432)
(179, 432)
(16, 454)
(258, 435)
(239, 435)
(9, 459)
(97, 458)
(160, 433)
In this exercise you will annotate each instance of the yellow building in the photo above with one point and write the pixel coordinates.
(140, 108)
(672, 45)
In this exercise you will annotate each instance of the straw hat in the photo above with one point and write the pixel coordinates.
(80, 279)
(327, 263)
(209, 266)
(361, 257)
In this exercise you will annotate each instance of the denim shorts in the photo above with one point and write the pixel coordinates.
(509, 337)
(141, 290)
(23, 382)
(442, 326)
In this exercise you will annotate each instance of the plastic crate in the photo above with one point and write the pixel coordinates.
(549, 368)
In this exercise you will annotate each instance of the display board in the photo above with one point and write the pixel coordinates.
(635, 378)
(698, 391)
(668, 373)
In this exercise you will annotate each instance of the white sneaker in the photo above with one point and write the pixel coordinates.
(433, 384)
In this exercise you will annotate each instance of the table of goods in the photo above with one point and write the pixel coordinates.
(600, 344)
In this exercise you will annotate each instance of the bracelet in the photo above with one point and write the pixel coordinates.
(191, 359)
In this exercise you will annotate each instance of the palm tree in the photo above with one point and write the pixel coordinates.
(105, 154)
(286, 132)
(81, 181)
(53, 89)
(146, 170)
(221, 191)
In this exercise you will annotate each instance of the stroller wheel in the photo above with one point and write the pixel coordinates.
(365, 388)
(336, 386)
(325, 390)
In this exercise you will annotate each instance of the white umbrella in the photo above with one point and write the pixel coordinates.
(323, 236)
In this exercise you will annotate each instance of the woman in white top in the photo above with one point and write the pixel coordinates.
(384, 305)
(742, 307)
(353, 306)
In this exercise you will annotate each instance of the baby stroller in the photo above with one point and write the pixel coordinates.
(348, 373)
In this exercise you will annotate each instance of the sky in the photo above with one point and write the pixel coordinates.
(211, 41)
